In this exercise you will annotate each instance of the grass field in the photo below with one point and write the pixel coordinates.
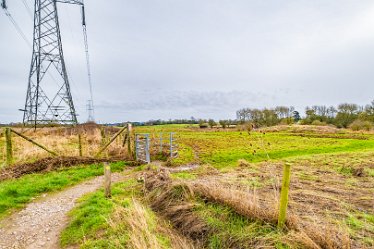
(233, 194)
(224, 148)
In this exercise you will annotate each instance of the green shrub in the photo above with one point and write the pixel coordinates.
(204, 125)
(318, 123)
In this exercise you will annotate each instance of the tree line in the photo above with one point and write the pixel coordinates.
(268, 116)
(342, 116)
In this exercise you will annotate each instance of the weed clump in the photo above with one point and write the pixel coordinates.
(173, 201)
(243, 163)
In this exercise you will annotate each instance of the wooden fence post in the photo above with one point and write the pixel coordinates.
(9, 148)
(107, 180)
(284, 195)
(129, 147)
(80, 145)
(103, 135)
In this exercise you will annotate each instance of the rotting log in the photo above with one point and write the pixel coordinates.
(9, 147)
(107, 180)
(111, 141)
(284, 195)
(34, 143)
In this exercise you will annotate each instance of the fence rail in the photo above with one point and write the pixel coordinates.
(15, 150)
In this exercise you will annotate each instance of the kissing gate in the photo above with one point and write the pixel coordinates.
(165, 142)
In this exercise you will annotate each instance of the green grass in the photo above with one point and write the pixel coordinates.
(89, 226)
(16, 193)
(92, 213)
(224, 148)
(183, 175)
(358, 222)
(233, 229)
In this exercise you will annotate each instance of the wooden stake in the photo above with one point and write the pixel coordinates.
(284, 196)
(103, 136)
(9, 147)
(129, 147)
(80, 145)
(107, 180)
(33, 142)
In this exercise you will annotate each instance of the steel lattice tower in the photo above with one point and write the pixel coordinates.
(48, 98)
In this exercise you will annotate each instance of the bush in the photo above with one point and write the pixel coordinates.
(318, 123)
(287, 121)
(359, 125)
(304, 122)
(204, 125)
(248, 127)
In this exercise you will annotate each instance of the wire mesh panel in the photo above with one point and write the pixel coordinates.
(173, 147)
(142, 145)
(167, 144)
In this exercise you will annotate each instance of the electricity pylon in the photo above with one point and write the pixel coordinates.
(48, 98)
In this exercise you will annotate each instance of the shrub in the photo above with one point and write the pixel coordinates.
(287, 121)
(204, 125)
(359, 125)
(318, 123)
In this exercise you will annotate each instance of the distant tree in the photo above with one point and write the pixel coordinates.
(224, 123)
(296, 116)
(310, 112)
(211, 123)
(368, 113)
(347, 113)
(331, 112)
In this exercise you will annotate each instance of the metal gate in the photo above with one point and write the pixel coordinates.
(170, 143)
(142, 148)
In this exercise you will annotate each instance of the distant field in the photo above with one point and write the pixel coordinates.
(224, 148)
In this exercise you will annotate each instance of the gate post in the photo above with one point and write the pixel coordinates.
(284, 196)
(129, 148)
(9, 147)
(147, 154)
(136, 147)
(171, 145)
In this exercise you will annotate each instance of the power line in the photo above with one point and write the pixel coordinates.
(15, 25)
(28, 9)
(90, 107)
(60, 96)
(23, 36)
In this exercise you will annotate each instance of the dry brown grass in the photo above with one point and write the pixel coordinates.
(140, 234)
(173, 204)
(64, 141)
(48, 164)
(141, 229)
(174, 201)
(303, 128)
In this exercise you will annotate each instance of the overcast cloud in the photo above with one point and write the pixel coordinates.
(204, 58)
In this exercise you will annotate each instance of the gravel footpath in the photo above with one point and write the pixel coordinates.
(39, 225)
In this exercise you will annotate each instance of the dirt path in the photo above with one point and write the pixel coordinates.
(41, 222)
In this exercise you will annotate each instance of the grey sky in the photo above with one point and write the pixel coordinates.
(202, 58)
